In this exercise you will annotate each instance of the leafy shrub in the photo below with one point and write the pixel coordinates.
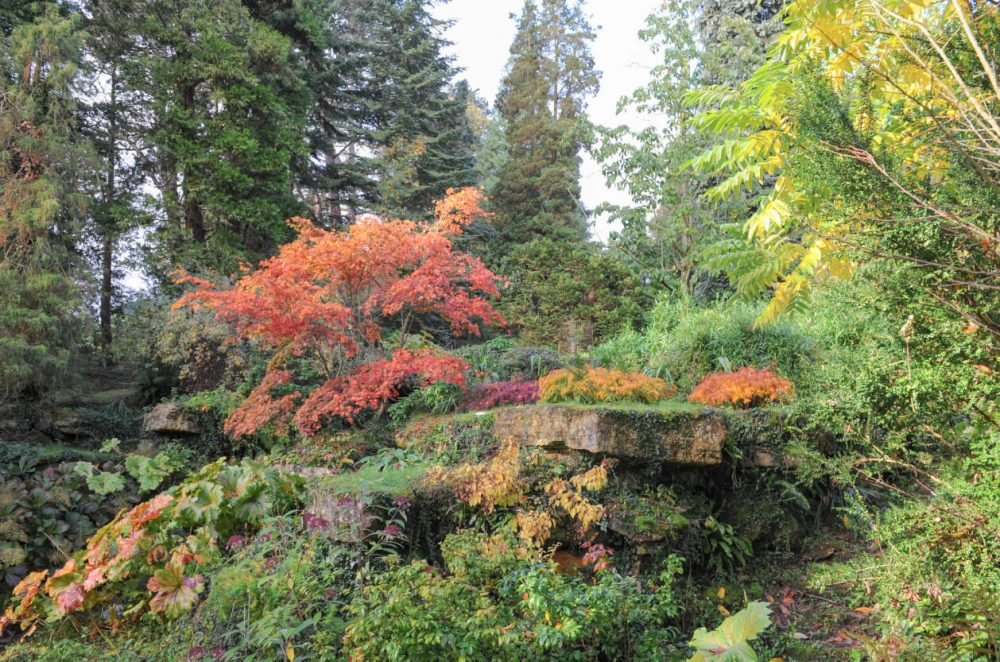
(500, 359)
(683, 341)
(439, 398)
(532, 488)
(201, 350)
(158, 544)
(114, 420)
(588, 287)
(746, 387)
(940, 580)
(52, 500)
(596, 385)
(488, 396)
(284, 594)
(451, 441)
(529, 363)
(501, 600)
(303, 302)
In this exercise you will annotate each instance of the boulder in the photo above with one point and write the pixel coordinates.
(767, 459)
(679, 437)
(169, 418)
(67, 422)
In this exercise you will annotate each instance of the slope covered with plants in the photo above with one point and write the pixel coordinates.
(381, 397)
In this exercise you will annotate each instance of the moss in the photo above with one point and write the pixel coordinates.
(673, 406)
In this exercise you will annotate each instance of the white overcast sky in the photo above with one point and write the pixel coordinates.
(482, 34)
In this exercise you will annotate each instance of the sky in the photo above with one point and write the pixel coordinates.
(482, 34)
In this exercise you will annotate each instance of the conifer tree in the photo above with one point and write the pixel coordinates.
(426, 140)
(112, 122)
(41, 161)
(542, 99)
(227, 112)
(734, 35)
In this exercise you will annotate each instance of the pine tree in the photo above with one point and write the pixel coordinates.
(41, 160)
(387, 130)
(541, 102)
(334, 53)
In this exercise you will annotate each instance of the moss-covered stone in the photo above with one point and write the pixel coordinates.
(680, 436)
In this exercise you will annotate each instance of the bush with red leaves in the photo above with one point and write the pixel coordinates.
(488, 396)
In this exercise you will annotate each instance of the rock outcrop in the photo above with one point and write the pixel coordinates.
(169, 418)
(681, 437)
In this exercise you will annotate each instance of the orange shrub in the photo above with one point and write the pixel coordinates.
(747, 387)
(602, 385)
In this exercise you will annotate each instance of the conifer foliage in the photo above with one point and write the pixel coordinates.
(40, 158)
(332, 296)
(541, 102)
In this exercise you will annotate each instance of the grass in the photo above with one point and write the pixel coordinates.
(395, 481)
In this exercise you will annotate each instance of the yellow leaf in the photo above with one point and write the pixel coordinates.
(722, 593)
(290, 653)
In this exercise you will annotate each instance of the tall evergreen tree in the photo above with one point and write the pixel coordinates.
(542, 98)
(113, 122)
(227, 120)
(387, 130)
(42, 157)
(734, 35)
(427, 142)
(334, 51)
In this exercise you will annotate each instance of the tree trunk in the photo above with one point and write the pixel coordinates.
(193, 217)
(107, 240)
(106, 291)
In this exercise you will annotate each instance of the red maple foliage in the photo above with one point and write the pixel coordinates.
(746, 387)
(332, 295)
(498, 394)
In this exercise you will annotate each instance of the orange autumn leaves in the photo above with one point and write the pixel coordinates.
(332, 295)
(597, 385)
(106, 559)
(746, 387)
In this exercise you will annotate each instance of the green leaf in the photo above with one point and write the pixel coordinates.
(729, 641)
(110, 445)
(175, 593)
(105, 482)
(84, 469)
(150, 472)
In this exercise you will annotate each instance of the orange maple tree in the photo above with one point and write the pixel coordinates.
(746, 387)
(333, 295)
